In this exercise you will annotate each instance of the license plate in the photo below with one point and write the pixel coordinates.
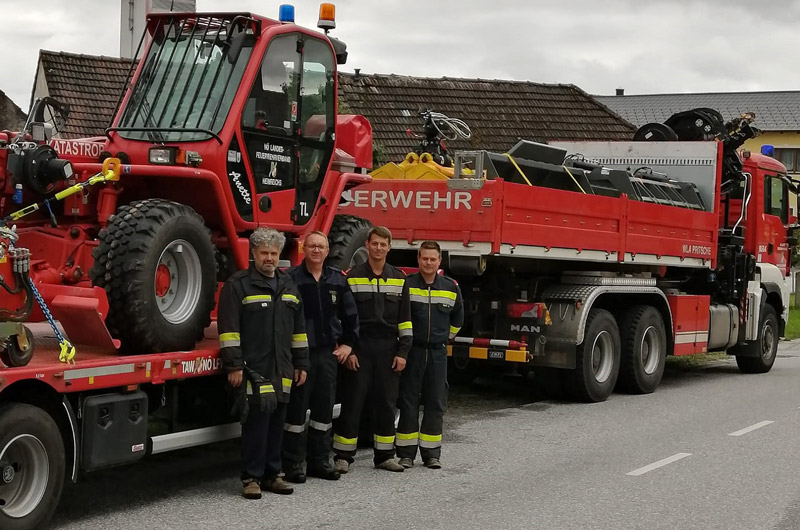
(499, 355)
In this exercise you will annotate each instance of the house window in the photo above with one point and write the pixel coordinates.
(789, 158)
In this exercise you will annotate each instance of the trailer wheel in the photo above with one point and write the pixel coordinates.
(14, 355)
(156, 262)
(597, 358)
(346, 238)
(32, 467)
(644, 350)
(759, 356)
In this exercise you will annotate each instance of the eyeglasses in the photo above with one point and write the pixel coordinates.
(316, 247)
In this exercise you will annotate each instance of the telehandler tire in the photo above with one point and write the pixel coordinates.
(156, 262)
(346, 238)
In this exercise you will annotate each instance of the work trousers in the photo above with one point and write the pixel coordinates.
(311, 439)
(376, 384)
(425, 375)
(262, 434)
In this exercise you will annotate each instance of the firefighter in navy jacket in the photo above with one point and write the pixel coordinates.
(332, 326)
(437, 313)
(372, 371)
(264, 349)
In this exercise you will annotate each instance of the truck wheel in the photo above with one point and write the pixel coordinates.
(14, 355)
(346, 238)
(32, 467)
(644, 350)
(759, 355)
(597, 358)
(156, 262)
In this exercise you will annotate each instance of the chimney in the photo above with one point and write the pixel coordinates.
(620, 91)
(357, 77)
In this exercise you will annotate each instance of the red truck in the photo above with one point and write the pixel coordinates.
(229, 123)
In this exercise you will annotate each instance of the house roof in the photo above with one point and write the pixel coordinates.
(11, 117)
(90, 85)
(498, 112)
(775, 111)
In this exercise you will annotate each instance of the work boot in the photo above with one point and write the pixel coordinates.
(433, 463)
(295, 474)
(251, 489)
(391, 465)
(277, 485)
(341, 465)
(325, 471)
(407, 463)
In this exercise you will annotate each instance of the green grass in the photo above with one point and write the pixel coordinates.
(685, 361)
(793, 326)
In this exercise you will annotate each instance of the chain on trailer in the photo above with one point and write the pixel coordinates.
(109, 173)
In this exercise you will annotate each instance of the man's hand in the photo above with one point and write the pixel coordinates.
(299, 377)
(398, 364)
(351, 363)
(235, 378)
(342, 352)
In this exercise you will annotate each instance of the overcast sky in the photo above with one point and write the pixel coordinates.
(644, 46)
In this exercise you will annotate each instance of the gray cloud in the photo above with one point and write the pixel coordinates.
(645, 46)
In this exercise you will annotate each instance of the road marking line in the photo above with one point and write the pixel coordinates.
(751, 428)
(656, 465)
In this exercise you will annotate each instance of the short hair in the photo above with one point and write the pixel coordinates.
(267, 236)
(316, 233)
(380, 231)
(429, 245)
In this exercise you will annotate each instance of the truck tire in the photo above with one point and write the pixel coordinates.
(156, 262)
(32, 466)
(346, 238)
(596, 359)
(759, 356)
(644, 350)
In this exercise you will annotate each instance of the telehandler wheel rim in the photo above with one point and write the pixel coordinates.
(602, 356)
(25, 470)
(767, 340)
(178, 302)
(651, 350)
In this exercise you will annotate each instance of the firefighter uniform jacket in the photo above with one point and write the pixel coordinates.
(330, 310)
(263, 328)
(384, 309)
(437, 310)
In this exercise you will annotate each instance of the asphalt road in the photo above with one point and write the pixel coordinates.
(698, 453)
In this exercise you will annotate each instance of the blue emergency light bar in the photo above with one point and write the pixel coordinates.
(768, 150)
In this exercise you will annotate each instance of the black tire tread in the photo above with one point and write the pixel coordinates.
(628, 380)
(577, 385)
(120, 255)
(754, 363)
(343, 230)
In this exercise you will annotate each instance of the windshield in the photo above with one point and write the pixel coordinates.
(187, 83)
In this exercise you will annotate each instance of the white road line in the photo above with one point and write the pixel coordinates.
(656, 465)
(751, 428)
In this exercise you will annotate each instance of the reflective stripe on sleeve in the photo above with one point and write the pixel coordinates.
(454, 331)
(344, 444)
(405, 329)
(407, 439)
(263, 389)
(430, 441)
(290, 298)
(299, 340)
(229, 340)
(286, 383)
(384, 442)
(288, 427)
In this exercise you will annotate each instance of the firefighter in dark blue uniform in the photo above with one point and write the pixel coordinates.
(264, 349)
(437, 313)
(332, 327)
(372, 373)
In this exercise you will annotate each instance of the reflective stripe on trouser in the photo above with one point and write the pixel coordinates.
(262, 434)
(376, 385)
(425, 374)
(311, 440)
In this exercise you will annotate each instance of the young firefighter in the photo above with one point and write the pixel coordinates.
(263, 347)
(437, 313)
(373, 369)
(332, 326)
